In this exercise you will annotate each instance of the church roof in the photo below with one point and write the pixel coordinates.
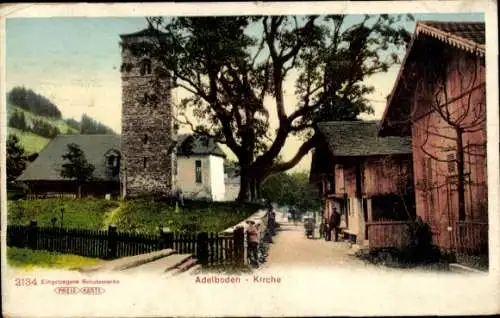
(191, 144)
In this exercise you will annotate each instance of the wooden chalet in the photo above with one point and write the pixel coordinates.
(366, 177)
(439, 101)
(43, 176)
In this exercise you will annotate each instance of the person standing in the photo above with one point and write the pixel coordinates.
(253, 243)
(328, 230)
(336, 223)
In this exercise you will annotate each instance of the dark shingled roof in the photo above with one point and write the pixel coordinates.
(473, 31)
(469, 36)
(48, 164)
(360, 138)
(189, 144)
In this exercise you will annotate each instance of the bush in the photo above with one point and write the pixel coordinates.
(421, 249)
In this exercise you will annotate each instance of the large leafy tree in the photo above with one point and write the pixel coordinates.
(77, 167)
(234, 70)
(291, 189)
(16, 158)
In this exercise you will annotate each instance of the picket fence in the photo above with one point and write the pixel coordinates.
(209, 248)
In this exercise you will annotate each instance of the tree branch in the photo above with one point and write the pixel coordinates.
(301, 152)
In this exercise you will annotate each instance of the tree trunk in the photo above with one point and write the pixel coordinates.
(79, 193)
(257, 188)
(252, 189)
(461, 176)
(244, 185)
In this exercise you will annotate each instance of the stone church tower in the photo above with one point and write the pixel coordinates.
(147, 122)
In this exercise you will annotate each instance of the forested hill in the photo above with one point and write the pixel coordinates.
(36, 120)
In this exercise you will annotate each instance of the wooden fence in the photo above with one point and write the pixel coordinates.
(209, 248)
(386, 234)
(35, 196)
(471, 238)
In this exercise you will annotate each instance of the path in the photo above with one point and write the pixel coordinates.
(292, 248)
(110, 216)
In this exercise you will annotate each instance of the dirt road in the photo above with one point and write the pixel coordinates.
(291, 248)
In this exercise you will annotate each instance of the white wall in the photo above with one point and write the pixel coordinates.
(212, 176)
(232, 188)
(217, 178)
(186, 177)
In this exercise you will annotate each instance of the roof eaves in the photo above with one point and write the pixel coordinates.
(450, 38)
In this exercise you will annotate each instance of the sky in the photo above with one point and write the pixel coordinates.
(75, 62)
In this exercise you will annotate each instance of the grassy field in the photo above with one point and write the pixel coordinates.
(29, 141)
(84, 213)
(146, 216)
(140, 216)
(30, 259)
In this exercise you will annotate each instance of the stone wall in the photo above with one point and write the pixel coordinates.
(147, 129)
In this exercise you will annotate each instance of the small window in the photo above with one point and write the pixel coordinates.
(198, 171)
(451, 163)
(145, 162)
(145, 138)
(145, 67)
(111, 161)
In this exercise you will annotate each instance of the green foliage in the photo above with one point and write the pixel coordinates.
(292, 190)
(31, 259)
(35, 103)
(84, 213)
(18, 120)
(145, 216)
(73, 123)
(421, 249)
(89, 126)
(16, 158)
(38, 126)
(44, 129)
(78, 168)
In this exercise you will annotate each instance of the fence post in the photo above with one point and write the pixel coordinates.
(112, 241)
(168, 239)
(32, 235)
(239, 246)
(202, 248)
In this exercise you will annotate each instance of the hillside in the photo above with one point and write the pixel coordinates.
(34, 140)
(61, 124)
(31, 141)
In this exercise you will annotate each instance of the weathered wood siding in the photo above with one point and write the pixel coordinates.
(388, 234)
(435, 185)
(386, 175)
